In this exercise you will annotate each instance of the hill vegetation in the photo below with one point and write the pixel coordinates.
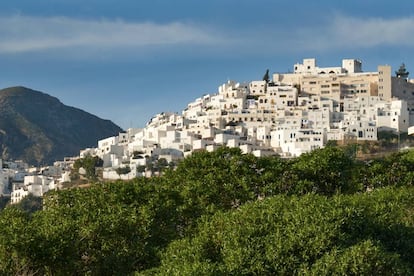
(226, 213)
(39, 129)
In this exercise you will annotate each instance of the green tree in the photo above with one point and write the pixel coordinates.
(141, 169)
(123, 170)
(224, 213)
(162, 164)
(109, 228)
(325, 171)
(14, 242)
(365, 258)
(211, 181)
(30, 204)
(395, 169)
(88, 163)
(362, 234)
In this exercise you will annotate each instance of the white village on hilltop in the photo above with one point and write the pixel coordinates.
(284, 114)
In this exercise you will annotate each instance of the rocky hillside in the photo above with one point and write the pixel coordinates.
(39, 129)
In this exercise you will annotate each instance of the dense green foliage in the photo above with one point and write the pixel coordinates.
(368, 234)
(225, 213)
(30, 204)
(123, 170)
(89, 164)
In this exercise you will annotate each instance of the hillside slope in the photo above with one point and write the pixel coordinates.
(39, 129)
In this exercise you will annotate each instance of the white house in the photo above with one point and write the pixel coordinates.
(37, 185)
(294, 142)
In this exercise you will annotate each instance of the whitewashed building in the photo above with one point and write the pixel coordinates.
(36, 185)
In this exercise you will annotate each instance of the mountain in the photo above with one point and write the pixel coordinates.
(39, 129)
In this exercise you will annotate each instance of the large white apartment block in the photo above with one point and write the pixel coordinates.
(278, 96)
(294, 142)
(308, 67)
(350, 80)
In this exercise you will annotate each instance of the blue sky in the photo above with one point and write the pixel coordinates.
(126, 60)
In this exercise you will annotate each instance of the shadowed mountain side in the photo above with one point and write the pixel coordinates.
(39, 129)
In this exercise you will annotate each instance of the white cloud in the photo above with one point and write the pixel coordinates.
(28, 34)
(344, 32)
(22, 34)
(334, 33)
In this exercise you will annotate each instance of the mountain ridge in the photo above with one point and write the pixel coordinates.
(39, 129)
